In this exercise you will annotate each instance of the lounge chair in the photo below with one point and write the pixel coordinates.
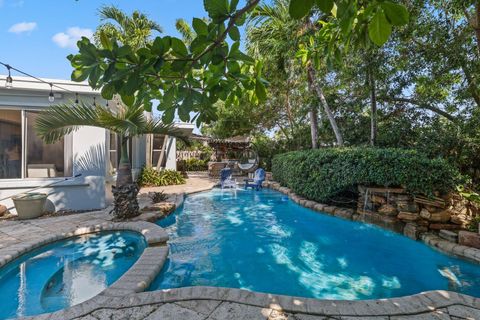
(256, 182)
(226, 180)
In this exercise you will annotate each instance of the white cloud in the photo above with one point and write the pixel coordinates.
(23, 27)
(69, 38)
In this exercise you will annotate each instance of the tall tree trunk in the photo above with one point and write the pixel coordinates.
(317, 89)
(373, 106)
(314, 125)
(124, 172)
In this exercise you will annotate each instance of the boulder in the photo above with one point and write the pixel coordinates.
(425, 214)
(446, 226)
(460, 219)
(407, 206)
(408, 216)
(422, 222)
(441, 216)
(387, 210)
(470, 239)
(413, 231)
(448, 235)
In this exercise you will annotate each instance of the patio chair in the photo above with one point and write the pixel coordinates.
(256, 182)
(226, 180)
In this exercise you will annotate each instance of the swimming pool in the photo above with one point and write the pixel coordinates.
(67, 272)
(262, 241)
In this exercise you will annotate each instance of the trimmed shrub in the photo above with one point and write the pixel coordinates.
(193, 164)
(325, 173)
(150, 177)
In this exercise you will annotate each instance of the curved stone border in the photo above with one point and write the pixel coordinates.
(134, 280)
(468, 253)
(408, 307)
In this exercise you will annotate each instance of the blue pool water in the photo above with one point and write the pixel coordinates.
(66, 272)
(262, 241)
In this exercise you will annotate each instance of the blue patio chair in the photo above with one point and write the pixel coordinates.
(226, 180)
(256, 182)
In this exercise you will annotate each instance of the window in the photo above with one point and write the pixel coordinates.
(43, 160)
(158, 146)
(10, 144)
(24, 155)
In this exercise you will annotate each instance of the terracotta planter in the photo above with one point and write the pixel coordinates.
(30, 205)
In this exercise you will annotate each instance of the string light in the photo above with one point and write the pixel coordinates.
(51, 96)
(94, 101)
(9, 80)
(106, 103)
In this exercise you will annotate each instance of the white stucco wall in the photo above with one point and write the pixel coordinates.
(88, 150)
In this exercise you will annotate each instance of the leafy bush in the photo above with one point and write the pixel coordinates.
(150, 177)
(324, 173)
(193, 164)
(158, 197)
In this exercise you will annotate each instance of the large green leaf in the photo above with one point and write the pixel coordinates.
(397, 14)
(260, 90)
(80, 75)
(200, 27)
(168, 115)
(300, 8)
(128, 100)
(379, 29)
(158, 46)
(217, 9)
(179, 47)
(107, 91)
(324, 5)
(234, 34)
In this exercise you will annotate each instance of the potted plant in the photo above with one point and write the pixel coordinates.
(30, 205)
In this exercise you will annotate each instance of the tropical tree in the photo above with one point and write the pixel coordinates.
(190, 77)
(275, 35)
(127, 122)
(134, 30)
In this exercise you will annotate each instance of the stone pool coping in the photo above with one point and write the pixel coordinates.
(431, 239)
(240, 302)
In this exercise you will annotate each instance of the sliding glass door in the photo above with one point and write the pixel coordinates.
(24, 155)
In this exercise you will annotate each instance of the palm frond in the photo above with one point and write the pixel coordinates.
(57, 121)
(115, 14)
(185, 30)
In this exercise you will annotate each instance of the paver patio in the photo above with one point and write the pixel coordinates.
(200, 303)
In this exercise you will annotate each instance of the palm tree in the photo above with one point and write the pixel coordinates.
(57, 121)
(273, 34)
(134, 30)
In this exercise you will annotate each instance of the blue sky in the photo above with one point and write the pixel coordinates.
(37, 35)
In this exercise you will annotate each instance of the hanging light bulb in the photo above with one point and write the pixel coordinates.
(76, 97)
(9, 80)
(106, 103)
(51, 96)
(94, 101)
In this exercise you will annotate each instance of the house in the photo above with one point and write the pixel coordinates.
(26, 162)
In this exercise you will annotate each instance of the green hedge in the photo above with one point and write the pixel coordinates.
(324, 173)
(193, 164)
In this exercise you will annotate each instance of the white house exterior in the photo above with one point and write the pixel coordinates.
(26, 162)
